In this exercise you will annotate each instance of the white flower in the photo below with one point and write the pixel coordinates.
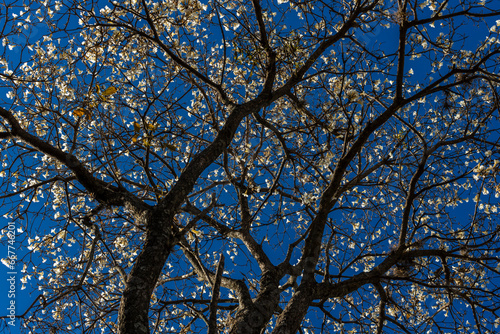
(6, 262)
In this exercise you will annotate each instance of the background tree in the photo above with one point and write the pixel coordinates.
(341, 156)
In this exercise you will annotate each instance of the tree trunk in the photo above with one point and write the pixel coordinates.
(133, 315)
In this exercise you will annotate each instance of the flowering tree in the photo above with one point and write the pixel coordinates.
(254, 166)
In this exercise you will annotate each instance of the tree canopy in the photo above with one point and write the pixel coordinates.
(230, 166)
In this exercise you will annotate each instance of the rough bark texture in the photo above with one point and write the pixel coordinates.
(133, 316)
(252, 319)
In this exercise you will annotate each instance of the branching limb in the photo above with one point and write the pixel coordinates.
(212, 321)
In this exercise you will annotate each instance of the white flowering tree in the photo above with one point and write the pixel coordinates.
(235, 166)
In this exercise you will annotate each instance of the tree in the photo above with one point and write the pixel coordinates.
(342, 155)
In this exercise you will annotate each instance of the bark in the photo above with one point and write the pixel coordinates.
(290, 319)
(133, 315)
(212, 323)
(253, 318)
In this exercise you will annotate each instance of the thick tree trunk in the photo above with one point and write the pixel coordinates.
(133, 316)
(253, 319)
(290, 319)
